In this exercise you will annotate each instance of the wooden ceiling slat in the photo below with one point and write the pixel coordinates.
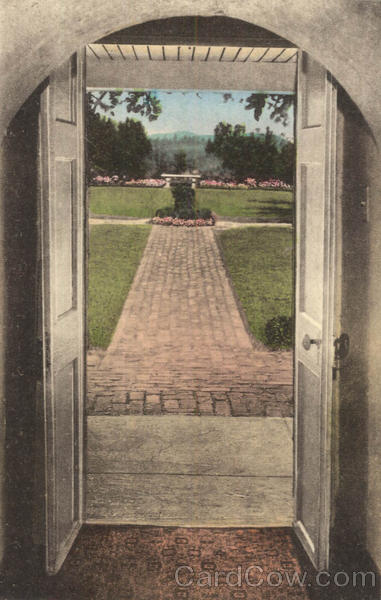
(215, 53)
(288, 54)
(141, 51)
(245, 54)
(191, 53)
(112, 51)
(230, 54)
(91, 51)
(200, 52)
(171, 52)
(109, 54)
(271, 54)
(279, 55)
(257, 54)
(99, 51)
(156, 52)
(121, 53)
(127, 51)
(186, 53)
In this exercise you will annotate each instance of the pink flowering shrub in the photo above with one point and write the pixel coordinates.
(145, 182)
(274, 184)
(248, 184)
(116, 180)
(176, 222)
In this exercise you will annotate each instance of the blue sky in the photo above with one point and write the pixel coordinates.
(200, 111)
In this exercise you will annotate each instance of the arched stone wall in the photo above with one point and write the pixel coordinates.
(36, 36)
(343, 34)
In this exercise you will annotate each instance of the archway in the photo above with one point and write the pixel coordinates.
(89, 39)
(61, 142)
(82, 23)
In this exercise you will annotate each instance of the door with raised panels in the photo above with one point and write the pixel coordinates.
(315, 235)
(62, 229)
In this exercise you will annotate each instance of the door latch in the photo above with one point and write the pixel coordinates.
(307, 342)
(341, 345)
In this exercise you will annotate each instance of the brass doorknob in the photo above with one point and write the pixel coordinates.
(307, 342)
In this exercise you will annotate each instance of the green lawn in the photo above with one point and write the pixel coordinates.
(115, 253)
(260, 264)
(262, 205)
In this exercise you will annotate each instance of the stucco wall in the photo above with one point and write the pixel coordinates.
(345, 35)
(19, 358)
(374, 361)
(189, 75)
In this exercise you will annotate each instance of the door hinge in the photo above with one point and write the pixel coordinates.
(38, 359)
(39, 363)
(341, 345)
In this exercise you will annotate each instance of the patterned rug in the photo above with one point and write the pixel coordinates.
(169, 563)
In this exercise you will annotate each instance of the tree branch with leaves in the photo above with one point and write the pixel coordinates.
(145, 104)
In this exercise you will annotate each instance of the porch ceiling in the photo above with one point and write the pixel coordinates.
(191, 53)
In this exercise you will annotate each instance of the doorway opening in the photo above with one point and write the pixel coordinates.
(121, 462)
(183, 347)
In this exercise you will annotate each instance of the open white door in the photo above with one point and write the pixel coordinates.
(315, 236)
(62, 225)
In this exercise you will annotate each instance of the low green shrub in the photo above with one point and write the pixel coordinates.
(184, 197)
(185, 213)
(278, 332)
(204, 213)
(184, 205)
(166, 211)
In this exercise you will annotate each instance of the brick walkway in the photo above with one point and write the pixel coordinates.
(181, 346)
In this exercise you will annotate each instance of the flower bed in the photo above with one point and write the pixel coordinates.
(249, 184)
(176, 222)
(115, 180)
(183, 213)
(145, 183)
(271, 184)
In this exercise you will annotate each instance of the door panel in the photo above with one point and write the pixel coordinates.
(62, 226)
(315, 234)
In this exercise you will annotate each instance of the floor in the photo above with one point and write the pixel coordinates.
(181, 345)
(199, 472)
(140, 563)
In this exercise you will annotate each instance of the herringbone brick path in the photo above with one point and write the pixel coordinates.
(181, 345)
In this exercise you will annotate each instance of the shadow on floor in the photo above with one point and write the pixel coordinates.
(140, 563)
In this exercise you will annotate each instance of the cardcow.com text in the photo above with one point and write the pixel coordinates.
(255, 576)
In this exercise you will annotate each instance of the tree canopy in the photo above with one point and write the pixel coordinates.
(180, 161)
(278, 104)
(251, 155)
(146, 103)
(117, 148)
(123, 148)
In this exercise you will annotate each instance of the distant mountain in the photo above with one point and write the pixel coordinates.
(203, 137)
(179, 135)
